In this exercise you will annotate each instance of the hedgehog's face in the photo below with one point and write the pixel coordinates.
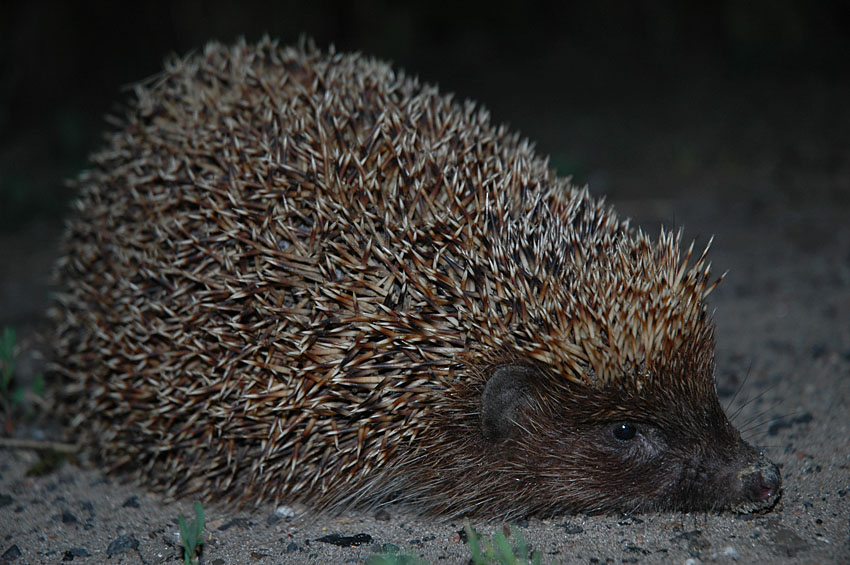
(623, 454)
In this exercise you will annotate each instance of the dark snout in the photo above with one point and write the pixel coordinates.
(744, 483)
(761, 482)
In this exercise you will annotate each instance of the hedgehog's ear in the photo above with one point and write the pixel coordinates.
(505, 393)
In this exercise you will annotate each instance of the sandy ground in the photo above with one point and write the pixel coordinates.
(783, 340)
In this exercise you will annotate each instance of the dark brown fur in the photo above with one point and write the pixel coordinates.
(297, 276)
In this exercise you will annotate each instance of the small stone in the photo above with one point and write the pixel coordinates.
(571, 529)
(122, 544)
(12, 553)
(75, 552)
(346, 541)
(239, 522)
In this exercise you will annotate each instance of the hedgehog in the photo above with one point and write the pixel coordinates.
(303, 276)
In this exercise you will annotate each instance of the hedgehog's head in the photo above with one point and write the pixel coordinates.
(611, 404)
(618, 449)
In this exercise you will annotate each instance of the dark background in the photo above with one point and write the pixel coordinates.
(645, 101)
(597, 84)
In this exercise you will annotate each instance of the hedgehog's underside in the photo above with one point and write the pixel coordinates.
(293, 275)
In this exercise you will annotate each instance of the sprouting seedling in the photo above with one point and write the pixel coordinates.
(13, 397)
(7, 358)
(9, 399)
(391, 555)
(499, 550)
(192, 534)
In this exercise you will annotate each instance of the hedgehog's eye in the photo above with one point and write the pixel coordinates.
(624, 431)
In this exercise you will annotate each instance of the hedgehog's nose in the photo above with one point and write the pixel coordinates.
(762, 481)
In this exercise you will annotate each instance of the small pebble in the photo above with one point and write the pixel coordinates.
(11, 554)
(122, 544)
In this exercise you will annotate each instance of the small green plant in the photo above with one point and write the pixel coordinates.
(12, 396)
(390, 555)
(7, 357)
(498, 550)
(192, 534)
